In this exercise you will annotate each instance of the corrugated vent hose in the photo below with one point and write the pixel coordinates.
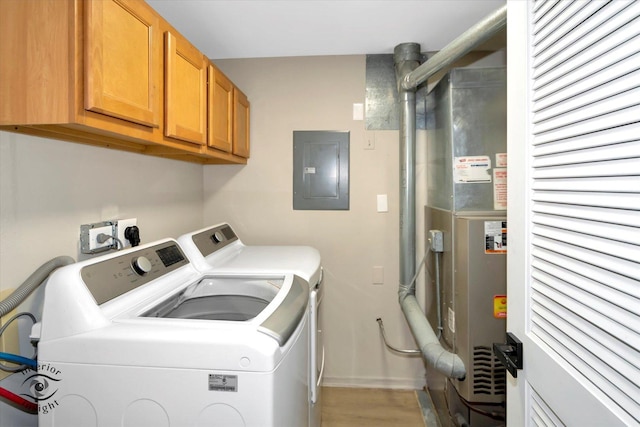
(11, 302)
(32, 282)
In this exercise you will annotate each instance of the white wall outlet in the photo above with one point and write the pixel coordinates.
(93, 237)
(121, 226)
(370, 140)
(89, 243)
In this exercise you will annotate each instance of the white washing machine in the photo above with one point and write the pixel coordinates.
(142, 338)
(218, 249)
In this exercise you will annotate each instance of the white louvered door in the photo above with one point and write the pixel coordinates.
(574, 211)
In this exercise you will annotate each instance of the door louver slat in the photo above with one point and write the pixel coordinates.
(615, 232)
(606, 121)
(599, 34)
(588, 77)
(596, 283)
(596, 154)
(614, 200)
(587, 93)
(599, 138)
(566, 116)
(614, 216)
(550, 17)
(595, 259)
(541, 414)
(543, 7)
(563, 27)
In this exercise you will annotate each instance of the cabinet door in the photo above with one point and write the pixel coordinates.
(123, 60)
(185, 90)
(240, 124)
(220, 110)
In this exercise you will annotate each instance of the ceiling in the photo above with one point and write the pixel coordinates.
(224, 29)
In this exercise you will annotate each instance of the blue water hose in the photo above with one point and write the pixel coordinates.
(20, 360)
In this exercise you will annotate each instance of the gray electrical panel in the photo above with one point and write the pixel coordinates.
(320, 170)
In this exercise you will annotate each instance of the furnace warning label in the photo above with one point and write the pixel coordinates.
(474, 169)
(223, 382)
(495, 237)
(501, 160)
(500, 306)
(500, 189)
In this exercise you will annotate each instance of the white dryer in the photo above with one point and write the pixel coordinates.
(218, 249)
(142, 338)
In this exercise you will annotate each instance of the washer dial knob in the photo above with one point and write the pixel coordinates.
(141, 265)
(217, 237)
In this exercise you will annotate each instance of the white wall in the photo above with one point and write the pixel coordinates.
(317, 93)
(49, 188)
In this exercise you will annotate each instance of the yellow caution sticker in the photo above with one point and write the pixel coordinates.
(500, 306)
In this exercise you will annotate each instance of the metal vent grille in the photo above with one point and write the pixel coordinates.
(585, 216)
(489, 377)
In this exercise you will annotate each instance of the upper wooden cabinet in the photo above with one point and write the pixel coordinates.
(228, 115)
(220, 110)
(123, 60)
(240, 124)
(185, 102)
(93, 71)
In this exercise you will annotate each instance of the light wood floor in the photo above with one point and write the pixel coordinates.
(355, 407)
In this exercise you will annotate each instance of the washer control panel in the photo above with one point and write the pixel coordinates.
(116, 276)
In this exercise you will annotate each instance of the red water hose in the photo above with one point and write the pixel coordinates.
(20, 401)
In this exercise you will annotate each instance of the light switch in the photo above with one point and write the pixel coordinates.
(358, 111)
(382, 203)
(378, 275)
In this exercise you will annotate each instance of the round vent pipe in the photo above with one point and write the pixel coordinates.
(407, 59)
(410, 74)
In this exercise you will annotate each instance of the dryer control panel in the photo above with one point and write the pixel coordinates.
(214, 238)
(113, 277)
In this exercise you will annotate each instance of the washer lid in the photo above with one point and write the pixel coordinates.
(219, 249)
(283, 322)
(303, 261)
(220, 298)
(276, 304)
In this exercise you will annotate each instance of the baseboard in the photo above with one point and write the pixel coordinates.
(391, 383)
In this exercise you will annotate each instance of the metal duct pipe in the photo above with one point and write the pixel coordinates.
(455, 50)
(407, 59)
(409, 75)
